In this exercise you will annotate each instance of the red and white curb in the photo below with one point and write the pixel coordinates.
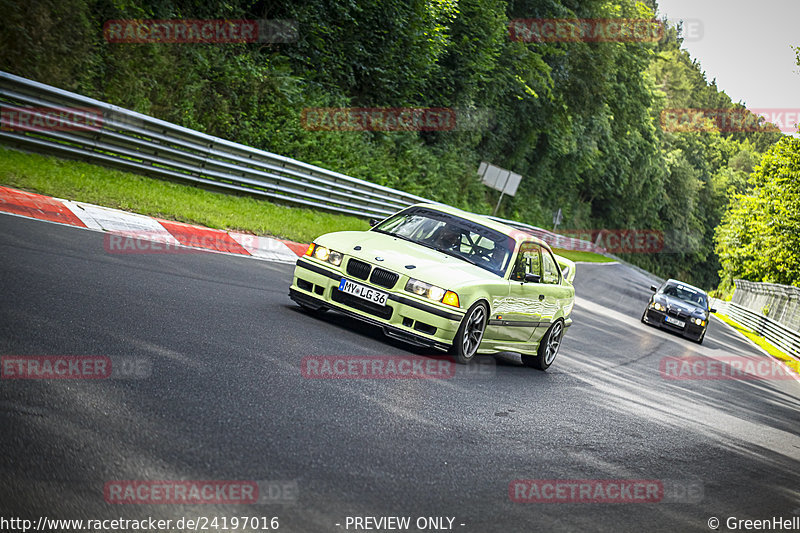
(134, 229)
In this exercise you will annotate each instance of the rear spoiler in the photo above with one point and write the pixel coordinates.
(567, 268)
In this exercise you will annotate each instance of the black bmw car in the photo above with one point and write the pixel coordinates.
(679, 307)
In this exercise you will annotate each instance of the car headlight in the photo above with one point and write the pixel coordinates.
(325, 254)
(657, 306)
(432, 292)
(698, 321)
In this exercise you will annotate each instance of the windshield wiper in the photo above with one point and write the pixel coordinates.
(457, 255)
(409, 239)
(431, 246)
(470, 261)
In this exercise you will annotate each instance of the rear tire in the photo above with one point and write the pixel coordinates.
(470, 333)
(548, 348)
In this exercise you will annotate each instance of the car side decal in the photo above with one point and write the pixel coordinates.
(517, 323)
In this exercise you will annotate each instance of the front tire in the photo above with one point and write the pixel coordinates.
(703, 336)
(470, 333)
(548, 348)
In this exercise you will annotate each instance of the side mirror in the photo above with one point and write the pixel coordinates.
(712, 310)
(533, 278)
(373, 222)
(653, 288)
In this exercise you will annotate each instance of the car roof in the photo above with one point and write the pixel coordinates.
(677, 281)
(517, 234)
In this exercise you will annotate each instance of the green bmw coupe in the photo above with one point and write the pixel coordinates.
(440, 277)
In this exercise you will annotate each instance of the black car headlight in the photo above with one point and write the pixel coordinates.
(698, 321)
(657, 306)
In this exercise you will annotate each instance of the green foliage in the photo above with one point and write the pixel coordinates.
(759, 238)
(581, 121)
(34, 43)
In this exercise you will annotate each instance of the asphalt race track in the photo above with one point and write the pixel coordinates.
(223, 398)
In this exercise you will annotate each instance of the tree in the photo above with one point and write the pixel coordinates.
(759, 239)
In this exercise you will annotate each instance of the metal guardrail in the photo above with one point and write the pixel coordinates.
(553, 239)
(145, 145)
(779, 335)
(779, 302)
(570, 243)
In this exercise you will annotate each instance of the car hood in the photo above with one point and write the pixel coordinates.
(398, 255)
(682, 305)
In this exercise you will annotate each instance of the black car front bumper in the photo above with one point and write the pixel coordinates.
(689, 330)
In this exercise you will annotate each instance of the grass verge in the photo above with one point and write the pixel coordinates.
(84, 182)
(93, 184)
(761, 342)
(587, 257)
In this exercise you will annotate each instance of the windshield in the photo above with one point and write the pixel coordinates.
(471, 242)
(687, 294)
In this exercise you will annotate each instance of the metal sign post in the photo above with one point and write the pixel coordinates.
(500, 179)
(557, 218)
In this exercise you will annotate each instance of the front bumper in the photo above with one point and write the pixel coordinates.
(403, 317)
(689, 330)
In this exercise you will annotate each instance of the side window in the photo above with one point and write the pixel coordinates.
(529, 261)
(551, 274)
(536, 261)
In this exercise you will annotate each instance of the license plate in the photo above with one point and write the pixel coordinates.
(362, 291)
(675, 321)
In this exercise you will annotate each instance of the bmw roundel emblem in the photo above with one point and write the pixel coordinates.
(379, 259)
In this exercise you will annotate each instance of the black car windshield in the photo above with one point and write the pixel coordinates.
(469, 241)
(685, 293)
